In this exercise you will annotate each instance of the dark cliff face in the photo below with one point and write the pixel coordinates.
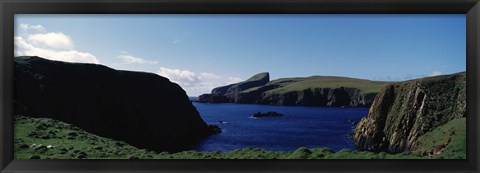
(143, 109)
(319, 97)
(405, 111)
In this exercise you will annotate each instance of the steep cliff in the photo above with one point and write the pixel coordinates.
(319, 97)
(403, 112)
(301, 91)
(143, 109)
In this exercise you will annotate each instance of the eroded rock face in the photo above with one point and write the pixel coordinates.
(403, 112)
(319, 97)
(143, 109)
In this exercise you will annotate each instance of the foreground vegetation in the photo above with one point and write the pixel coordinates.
(43, 138)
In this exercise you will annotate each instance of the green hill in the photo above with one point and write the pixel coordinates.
(300, 84)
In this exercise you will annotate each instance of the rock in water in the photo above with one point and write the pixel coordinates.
(268, 114)
(143, 109)
(404, 111)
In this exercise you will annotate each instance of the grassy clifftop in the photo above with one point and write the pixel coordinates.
(43, 138)
(300, 84)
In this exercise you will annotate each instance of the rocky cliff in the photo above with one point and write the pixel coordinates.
(318, 97)
(308, 91)
(403, 112)
(143, 109)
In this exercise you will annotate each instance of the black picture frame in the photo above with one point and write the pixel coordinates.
(8, 8)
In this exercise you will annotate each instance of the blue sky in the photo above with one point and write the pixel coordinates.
(204, 51)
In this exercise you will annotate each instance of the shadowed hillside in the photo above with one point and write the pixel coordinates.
(143, 109)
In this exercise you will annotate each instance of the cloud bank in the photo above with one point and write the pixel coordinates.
(50, 45)
(26, 27)
(55, 40)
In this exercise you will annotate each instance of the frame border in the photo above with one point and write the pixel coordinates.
(9, 8)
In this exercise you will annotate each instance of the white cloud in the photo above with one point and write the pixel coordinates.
(53, 46)
(436, 73)
(196, 84)
(26, 27)
(23, 48)
(130, 59)
(55, 40)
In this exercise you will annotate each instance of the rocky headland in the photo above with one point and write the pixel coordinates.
(143, 109)
(301, 91)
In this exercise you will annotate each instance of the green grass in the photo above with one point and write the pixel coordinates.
(447, 141)
(280, 82)
(70, 142)
(33, 135)
(366, 86)
(256, 77)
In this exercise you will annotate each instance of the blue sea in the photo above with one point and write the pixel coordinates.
(311, 127)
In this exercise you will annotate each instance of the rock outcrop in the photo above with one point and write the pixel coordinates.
(403, 112)
(309, 91)
(319, 97)
(143, 109)
(267, 114)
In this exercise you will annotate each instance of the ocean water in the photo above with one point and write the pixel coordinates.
(311, 127)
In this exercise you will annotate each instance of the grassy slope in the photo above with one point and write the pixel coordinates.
(300, 84)
(70, 142)
(449, 140)
(256, 77)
